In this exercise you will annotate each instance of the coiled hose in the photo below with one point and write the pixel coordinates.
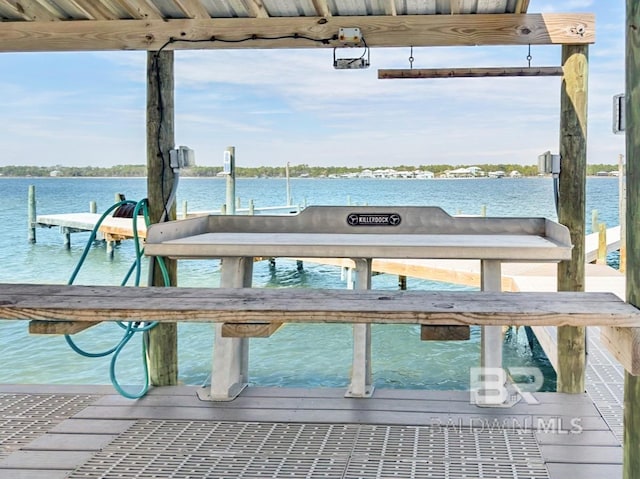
(131, 327)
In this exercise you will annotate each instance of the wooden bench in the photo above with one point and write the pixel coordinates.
(68, 309)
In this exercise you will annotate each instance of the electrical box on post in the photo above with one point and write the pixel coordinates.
(350, 36)
(619, 112)
(182, 157)
(226, 163)
(548, 163)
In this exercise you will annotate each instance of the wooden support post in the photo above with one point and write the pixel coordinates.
(622, 208)
(602, 244)
(110, 248)
(67, 237)
(571, 210)
(230, 156)
(402, 282)
(185, 209)
(31, 215)
(631, 441)
(93, 207)
(252, 208)
(163, 339)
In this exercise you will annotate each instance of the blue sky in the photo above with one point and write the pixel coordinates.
(275, 106)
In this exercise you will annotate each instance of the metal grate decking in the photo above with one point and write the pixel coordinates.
(605, 383)
(187, 449)
(25, 417)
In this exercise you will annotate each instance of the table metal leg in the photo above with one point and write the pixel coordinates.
(491, 342)
(361, 378)
(230, 370)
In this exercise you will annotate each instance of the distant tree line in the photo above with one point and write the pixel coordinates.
(265, 171)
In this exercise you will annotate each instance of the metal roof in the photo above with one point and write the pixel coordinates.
(53, 10)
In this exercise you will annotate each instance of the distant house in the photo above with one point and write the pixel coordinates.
(515, 174)
(496, 174)
(602, 173)
(55, 173)
(423, 175)
(460, 173)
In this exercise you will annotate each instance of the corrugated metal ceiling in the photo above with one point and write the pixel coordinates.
(51, 10)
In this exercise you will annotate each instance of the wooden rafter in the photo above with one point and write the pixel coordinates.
(469, 72)
(255, 8)
(522, 6)
(379, 31)
(192, 8)
(322, 8)
(95, 10)
(390, 8)
(31, 10)
(138, 9)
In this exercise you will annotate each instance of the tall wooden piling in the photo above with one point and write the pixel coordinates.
(571, 212)
(163, 339)
(622, 208)
(631, 442)
(31, 214)
(230, 156)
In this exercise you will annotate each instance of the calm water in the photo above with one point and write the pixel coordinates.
(298, 355)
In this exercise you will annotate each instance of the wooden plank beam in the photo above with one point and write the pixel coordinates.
(249, 330)
(59, 327)
(32, 10)
(193, 8)
(386, 74)
(322, 8)
(379, 31)
(255, 8)
(248, 305)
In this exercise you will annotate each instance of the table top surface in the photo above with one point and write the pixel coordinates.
(358, 245)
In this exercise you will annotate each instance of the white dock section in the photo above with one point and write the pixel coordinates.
(111, 228)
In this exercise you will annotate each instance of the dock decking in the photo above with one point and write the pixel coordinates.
(57, 432)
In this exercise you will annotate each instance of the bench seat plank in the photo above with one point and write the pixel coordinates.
(246, 305)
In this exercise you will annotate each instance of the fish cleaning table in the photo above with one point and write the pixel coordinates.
(359, 234)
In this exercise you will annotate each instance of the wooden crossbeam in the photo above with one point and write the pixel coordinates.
(379, 31)
(59, 327)
(624, 345)
(255, 330)
(391, 74)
